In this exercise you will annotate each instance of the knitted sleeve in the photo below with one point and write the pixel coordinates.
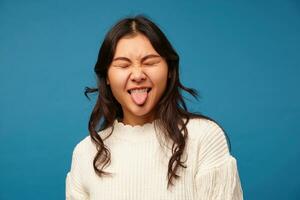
(74, 187)
(217, 176)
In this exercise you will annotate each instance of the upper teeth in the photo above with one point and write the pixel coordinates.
(139, 90)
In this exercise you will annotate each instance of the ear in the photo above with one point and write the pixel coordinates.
(107, 82)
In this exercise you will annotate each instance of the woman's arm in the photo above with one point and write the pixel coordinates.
(217, 176)
(74, 187)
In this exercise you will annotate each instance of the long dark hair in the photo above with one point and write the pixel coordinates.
(171, 109)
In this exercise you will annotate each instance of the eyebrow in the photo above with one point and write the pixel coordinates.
(143, 59)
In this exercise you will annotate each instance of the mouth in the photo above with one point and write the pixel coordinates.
(139, 90)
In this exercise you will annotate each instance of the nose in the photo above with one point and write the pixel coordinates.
(137, 74)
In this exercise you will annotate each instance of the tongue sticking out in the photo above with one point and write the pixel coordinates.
(139, 97)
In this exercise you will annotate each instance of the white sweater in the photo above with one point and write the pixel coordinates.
(139, 165)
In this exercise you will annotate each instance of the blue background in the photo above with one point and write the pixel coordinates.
(242, 56)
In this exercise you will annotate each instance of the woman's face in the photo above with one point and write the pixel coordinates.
(136, 65)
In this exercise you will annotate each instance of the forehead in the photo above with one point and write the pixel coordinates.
(134, 47)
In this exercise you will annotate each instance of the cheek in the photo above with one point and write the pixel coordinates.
(117, 82)
(160, 78)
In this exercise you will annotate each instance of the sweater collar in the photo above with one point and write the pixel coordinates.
(134, 132)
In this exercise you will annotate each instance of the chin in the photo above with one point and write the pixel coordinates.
(140, 111)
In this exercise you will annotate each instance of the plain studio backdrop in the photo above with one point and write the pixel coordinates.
(242, 56)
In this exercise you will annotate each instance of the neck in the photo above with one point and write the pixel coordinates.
(137, 121)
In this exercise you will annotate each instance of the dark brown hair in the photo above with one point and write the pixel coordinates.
(171, 109)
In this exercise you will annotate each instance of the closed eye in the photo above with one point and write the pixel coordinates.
(122, 66)
(150, 64)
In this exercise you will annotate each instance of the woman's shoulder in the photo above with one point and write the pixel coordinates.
(86, 144)
(198, 128)
(209, 136)
(83, 146)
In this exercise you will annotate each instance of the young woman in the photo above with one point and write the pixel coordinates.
(143, 142)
